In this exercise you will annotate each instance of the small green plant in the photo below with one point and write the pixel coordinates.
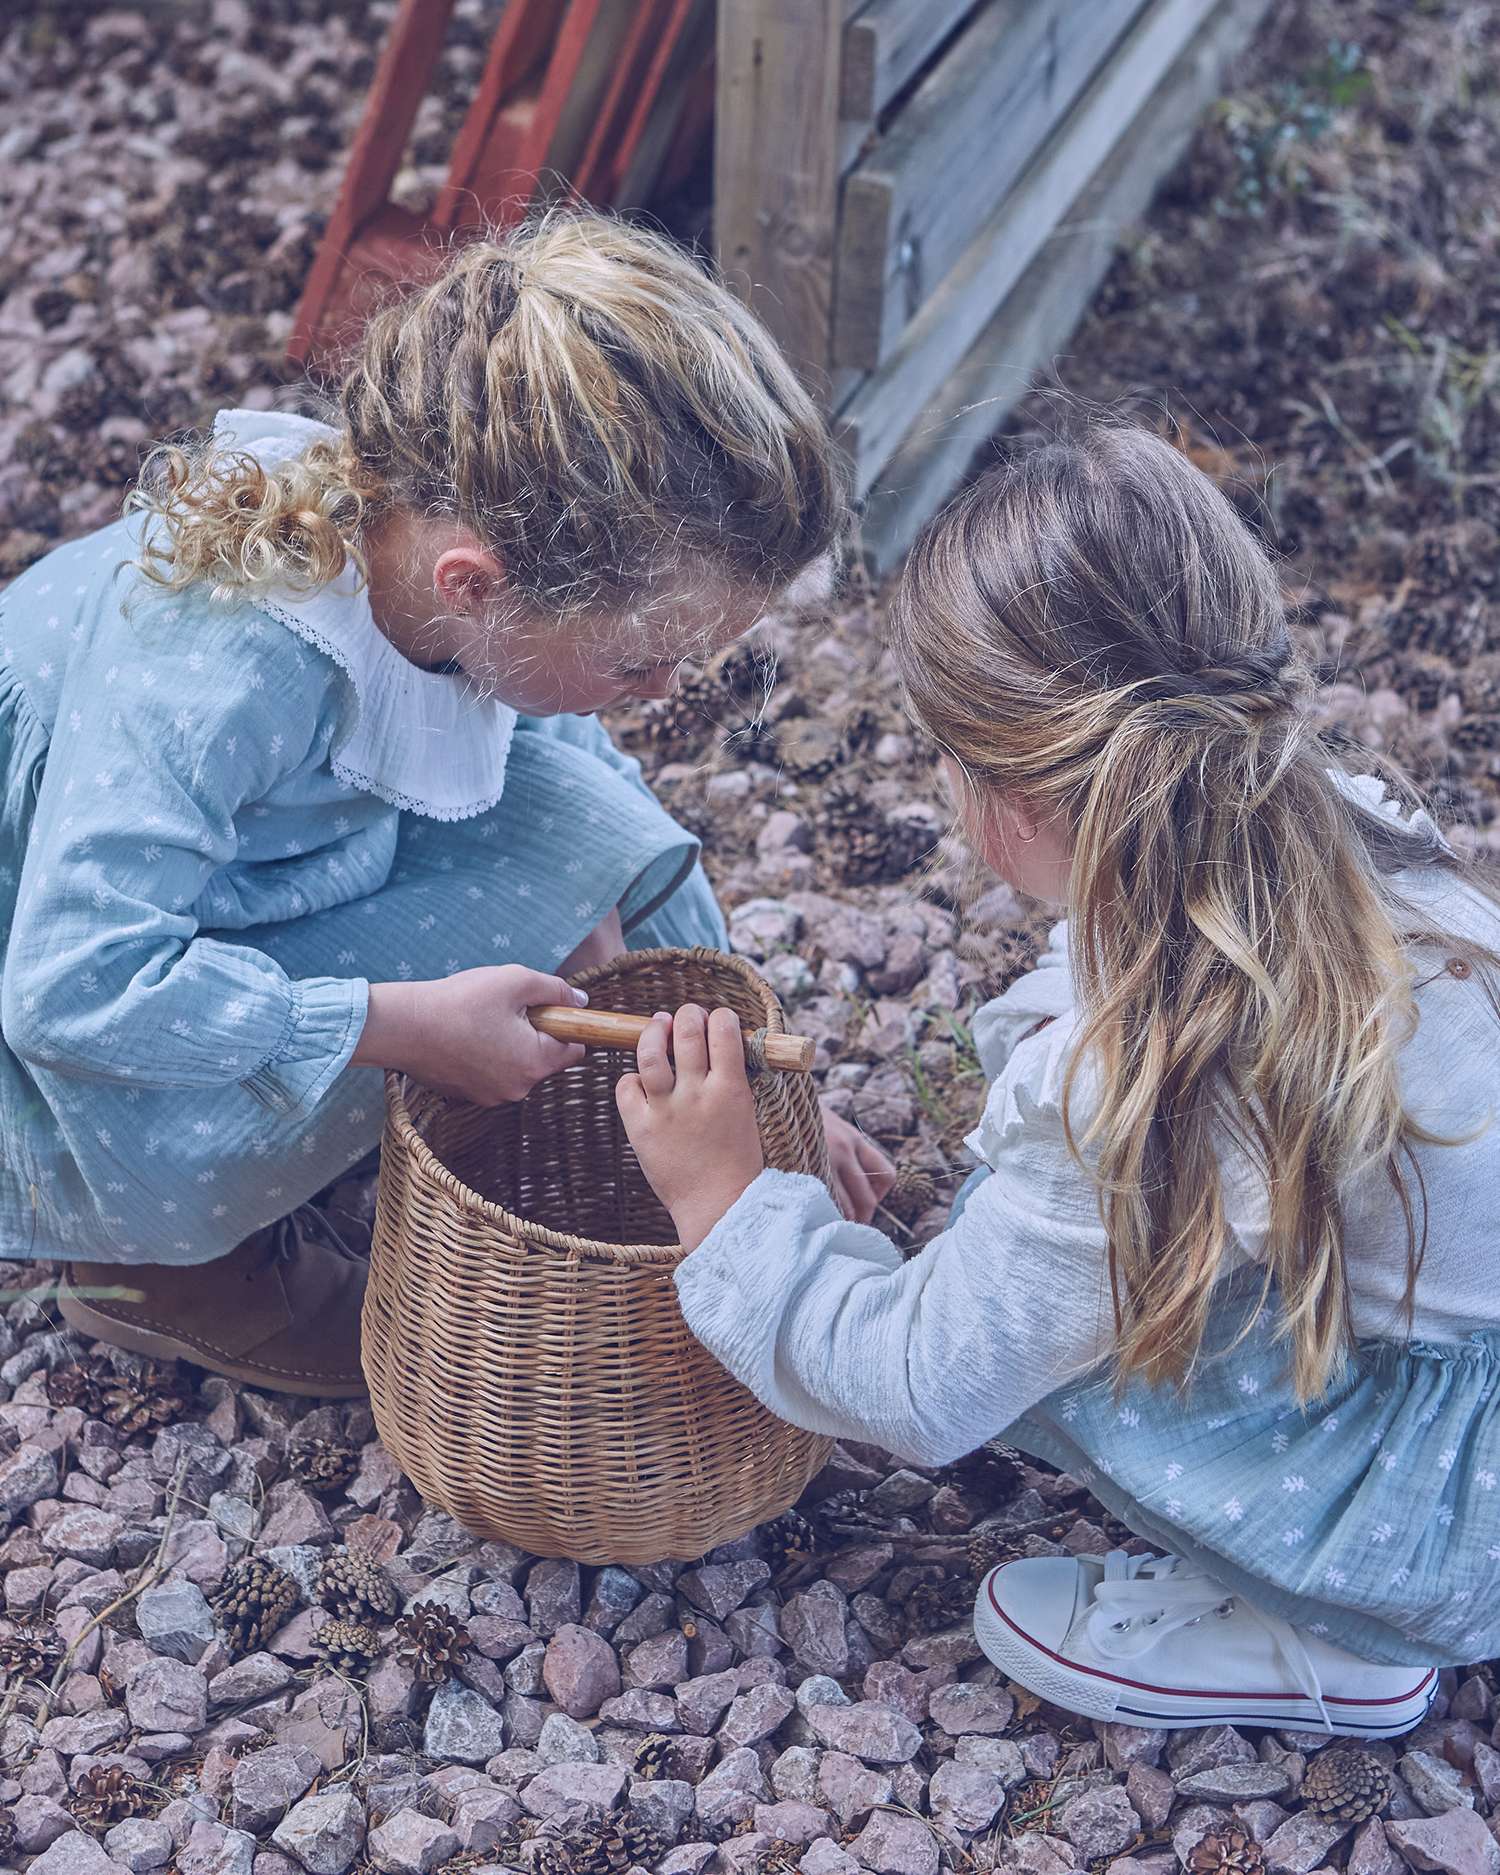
(1266, 131)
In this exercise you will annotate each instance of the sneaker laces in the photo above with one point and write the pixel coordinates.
(1143, 1599)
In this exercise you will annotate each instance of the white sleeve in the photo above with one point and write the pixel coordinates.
(825, 1324)
(1044, 992)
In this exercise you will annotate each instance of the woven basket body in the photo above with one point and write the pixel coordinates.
(528, 1365)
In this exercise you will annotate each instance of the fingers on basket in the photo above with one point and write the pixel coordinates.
(652, 1060)
(690, 1042)
(726, 1043)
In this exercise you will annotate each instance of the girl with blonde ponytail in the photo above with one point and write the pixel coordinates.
(1229, 1258)
(302, 780)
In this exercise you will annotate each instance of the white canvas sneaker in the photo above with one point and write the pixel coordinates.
(1148, 1640)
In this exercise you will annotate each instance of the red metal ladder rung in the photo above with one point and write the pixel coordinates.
(483, 186)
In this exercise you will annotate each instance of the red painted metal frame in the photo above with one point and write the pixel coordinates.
(371, 244)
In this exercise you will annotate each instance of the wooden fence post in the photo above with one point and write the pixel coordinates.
(776, 167)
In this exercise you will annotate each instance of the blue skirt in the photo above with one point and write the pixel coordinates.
(1371, 1518)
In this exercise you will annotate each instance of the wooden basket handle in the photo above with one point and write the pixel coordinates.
(607, 1028)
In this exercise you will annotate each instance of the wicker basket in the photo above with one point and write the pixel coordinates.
(529, 1368)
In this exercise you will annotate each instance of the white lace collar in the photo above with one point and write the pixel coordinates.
(419, 739)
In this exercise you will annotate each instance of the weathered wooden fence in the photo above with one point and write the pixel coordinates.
(920, 196)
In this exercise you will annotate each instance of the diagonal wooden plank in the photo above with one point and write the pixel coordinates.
(890, 399)
(1027, 332)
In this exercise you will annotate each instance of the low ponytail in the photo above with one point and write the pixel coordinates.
(1094, 630)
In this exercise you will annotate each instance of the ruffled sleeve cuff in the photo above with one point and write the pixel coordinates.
(325, 1020)
(1040, 995)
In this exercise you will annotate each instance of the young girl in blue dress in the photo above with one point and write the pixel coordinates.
(1231, 1257)
(301, 779)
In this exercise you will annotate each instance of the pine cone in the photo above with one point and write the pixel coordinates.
(989, 1474)
(1227, 1852)
(346, 1646)
(655, 1756)
(52, 306)
(552, 1855)
(255, 1600)
(611, 1846)
(1345, 1785)
(1424, 680)
(108, 1794)
(871, 847)
(355, 1587)
(933, 1606)
(323, 1464)
(7, 1836)
(987, 1548)
(1476, 734)
(76, 1385)
(156, 1398)
(808, 747)
(1481, 686)
(84, 405)
(848, 1508)
(789, 1538)
(433, 1641)
(29, 1651)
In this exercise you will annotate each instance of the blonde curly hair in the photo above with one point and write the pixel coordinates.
(601, 412)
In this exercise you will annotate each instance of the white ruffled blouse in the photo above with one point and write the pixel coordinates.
(831, 1329)
(421, 740)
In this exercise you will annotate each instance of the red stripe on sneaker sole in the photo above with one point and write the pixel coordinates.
(1182, 1692)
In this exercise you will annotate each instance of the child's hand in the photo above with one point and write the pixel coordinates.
(468, 1035)
(862, 1174)
(694, 1129)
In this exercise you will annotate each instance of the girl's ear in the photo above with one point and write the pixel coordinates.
(467, 579)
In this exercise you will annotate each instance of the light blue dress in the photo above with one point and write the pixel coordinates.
(219, 824)
(1371, 1518)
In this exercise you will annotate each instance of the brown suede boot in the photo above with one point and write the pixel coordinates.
(280, 1312)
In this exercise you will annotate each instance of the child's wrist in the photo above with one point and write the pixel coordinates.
(694, 1218)
(391, 1033)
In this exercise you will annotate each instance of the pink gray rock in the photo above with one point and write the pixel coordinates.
(1302, 1843)
(756, 1714)
(410, 1843)
(719, 1588)
(892, 1844)
(1099, 1823)
(963, 1707)
(964, 1798)
(596, 1788)
(140, 1843)
(1454, 1843)
(77, 1854)
(211, 1849)
(580, 1670)
(324, 1833)
(866, 1730)
(812, 1625)
(265, 1785)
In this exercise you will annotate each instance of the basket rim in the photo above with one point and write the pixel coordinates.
(595, 1249)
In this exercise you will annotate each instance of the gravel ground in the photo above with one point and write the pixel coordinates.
(1312, 308)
